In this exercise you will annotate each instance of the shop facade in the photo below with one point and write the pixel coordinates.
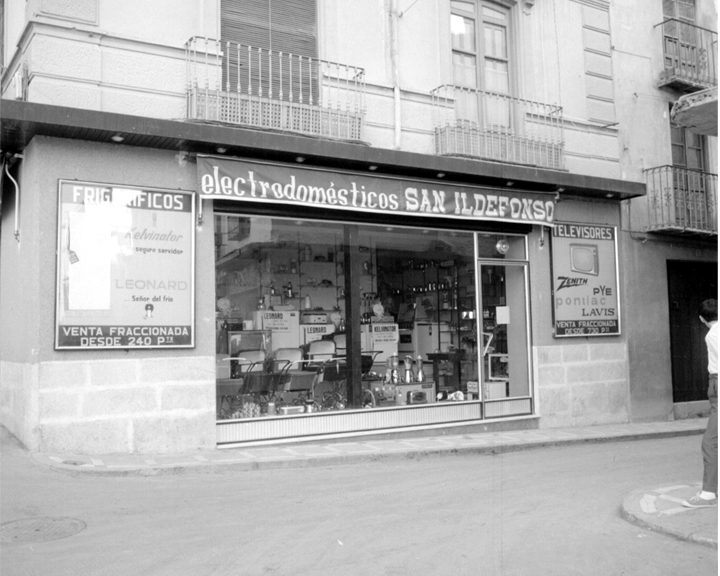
(494, 189)
(434, 297)
(301, 299)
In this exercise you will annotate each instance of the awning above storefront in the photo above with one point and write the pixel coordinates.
(22, 121)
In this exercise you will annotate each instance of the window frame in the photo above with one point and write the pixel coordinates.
(676, 129)
(480, 54)
(677, 13)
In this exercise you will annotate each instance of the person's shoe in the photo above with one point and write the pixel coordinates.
(697, 502)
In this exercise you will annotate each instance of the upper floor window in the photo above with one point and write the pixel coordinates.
(480, 39)
(680, 9)
(270, 42)
(280, 25)
(481, 63)
(688, 148)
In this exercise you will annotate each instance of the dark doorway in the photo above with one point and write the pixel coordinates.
(689, 283)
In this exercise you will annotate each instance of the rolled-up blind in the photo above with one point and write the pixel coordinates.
(287, 26)
(281, 25)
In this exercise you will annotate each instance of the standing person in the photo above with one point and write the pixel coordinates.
(708, 496)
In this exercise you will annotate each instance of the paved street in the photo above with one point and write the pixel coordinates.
(550, 511)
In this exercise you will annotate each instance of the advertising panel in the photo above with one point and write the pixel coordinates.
(125, 267)
(224, 179)
(585, 280)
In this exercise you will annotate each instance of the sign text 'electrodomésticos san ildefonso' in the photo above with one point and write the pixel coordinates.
(224, 179)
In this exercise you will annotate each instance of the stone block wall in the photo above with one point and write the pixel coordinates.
(155, 405)
(582, 384)
(96, 401)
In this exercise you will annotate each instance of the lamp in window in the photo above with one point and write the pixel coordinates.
(502, 246)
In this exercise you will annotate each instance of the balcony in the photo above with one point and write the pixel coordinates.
(690, 56)
(259, 88)
(491, 126)
(698, 112)
(681, 201)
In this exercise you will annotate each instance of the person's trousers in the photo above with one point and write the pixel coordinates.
(710, 441)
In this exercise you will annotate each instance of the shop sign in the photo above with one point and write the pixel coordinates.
(278, 321)
(125, 267)
(585, 280)
(317, 332)
(223, 179)
(385, 333)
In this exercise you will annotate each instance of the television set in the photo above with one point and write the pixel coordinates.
(498, 367)
(584, 259)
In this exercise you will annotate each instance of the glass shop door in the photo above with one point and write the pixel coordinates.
(505, 330)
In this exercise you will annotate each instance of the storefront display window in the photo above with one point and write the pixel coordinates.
(298, 299)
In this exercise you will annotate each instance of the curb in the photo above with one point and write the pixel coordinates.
(217, 461)
(631, 511)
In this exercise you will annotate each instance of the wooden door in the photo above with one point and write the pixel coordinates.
(689, 283)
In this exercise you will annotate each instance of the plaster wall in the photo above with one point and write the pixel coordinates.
(14, 15)
(161, 21)
(125, 57)
(562, 45)
(358, 35)
(645, 259)
(68, 67)
(97, 400)
(20, 314)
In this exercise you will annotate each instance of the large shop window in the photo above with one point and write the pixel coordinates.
(320, 316)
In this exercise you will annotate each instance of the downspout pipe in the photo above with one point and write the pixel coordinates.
(394, 18)
(17, 198)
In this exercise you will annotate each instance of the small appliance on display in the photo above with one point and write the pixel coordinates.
(416, 397)
(415, 393)
(314, 317)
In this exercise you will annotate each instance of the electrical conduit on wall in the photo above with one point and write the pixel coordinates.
(395, 71)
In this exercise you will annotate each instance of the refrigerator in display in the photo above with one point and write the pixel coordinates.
(311, 332)
(430, 337)
(381, 338)
(284, 326)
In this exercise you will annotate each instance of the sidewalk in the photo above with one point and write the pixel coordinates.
(657, 508)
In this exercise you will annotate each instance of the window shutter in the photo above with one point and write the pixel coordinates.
(245, 22)
(281, 25)
(287, 26)
(682, 9)
(669, 8)
(294, 27)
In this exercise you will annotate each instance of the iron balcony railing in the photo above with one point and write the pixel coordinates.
(251, 86)
(690, 56)
(492, 126)
(681, 201)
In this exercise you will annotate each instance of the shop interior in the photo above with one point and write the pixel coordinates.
(283, 303)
